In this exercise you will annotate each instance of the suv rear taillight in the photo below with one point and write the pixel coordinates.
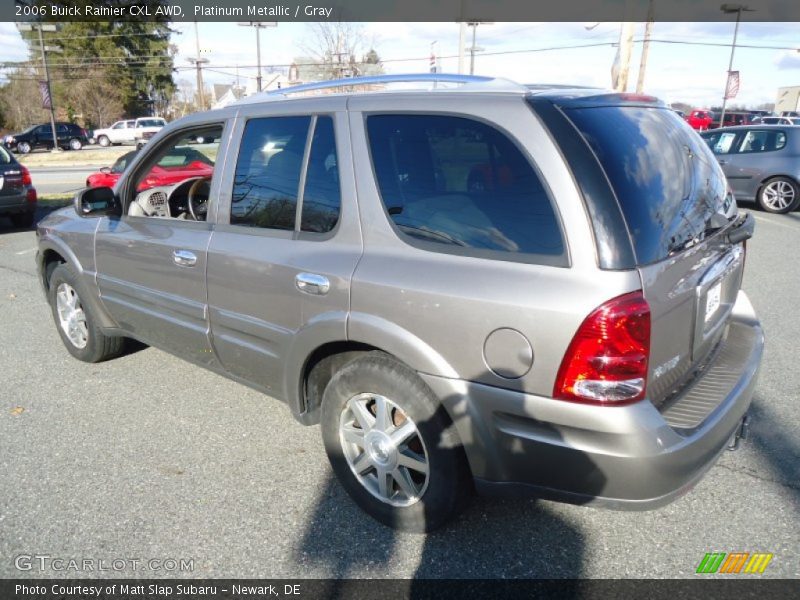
(26, 176)
(606, 362)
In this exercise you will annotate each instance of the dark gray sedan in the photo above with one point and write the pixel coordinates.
(761, 162)
(17, 194)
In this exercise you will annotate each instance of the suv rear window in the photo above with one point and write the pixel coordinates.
(670, 188)
(452, 184)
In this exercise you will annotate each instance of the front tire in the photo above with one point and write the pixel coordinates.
(393, 446)
(779, 195)
(75, 321)
(104, 141)
(75, 144)
(23, 148)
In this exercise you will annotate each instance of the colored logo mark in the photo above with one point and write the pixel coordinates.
(735, 562)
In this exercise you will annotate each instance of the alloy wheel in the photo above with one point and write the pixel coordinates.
(778, 195)
(71, 317)
(384, 449)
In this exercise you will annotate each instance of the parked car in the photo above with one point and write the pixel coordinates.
(17, 194)
(119, 133)
(773, 121)
(68, 135)
(731, 119)
(128, 131)
(570, 327)
(761, 162)
(790, 113)
(700, 119)
(175, 167)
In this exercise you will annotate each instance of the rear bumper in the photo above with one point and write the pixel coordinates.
(629, 457)
(16, 205)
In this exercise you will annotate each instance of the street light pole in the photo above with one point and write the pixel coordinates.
(728, 9)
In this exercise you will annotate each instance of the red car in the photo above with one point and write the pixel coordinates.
(700, 119)
(180, 164)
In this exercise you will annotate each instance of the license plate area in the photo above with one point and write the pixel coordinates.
(713, 301)
(715, 296)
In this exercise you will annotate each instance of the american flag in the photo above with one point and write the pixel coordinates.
(733, 84)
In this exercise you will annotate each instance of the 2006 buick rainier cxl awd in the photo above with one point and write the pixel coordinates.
(482, 285)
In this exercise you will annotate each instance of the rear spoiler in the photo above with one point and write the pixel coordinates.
(742, 230)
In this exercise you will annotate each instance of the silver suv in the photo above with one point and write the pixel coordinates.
(480, 285)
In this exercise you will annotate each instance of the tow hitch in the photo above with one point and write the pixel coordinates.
(741, 433)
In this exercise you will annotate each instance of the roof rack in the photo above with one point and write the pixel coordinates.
(494, 83)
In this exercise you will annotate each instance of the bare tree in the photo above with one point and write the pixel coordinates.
(339, 50)
(96, 98)
(20, 100)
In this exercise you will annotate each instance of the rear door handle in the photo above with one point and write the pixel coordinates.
(184, 258)
(311, 283)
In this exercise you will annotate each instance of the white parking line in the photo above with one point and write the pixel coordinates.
(765, 219)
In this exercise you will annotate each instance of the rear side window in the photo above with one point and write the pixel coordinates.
(267, 174)
(321, 196)
(762, 141)
(458, 185)
(671, 190)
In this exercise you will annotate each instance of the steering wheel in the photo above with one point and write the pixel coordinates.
(197, 209)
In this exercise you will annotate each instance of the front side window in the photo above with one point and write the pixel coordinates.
(119, 125)
(454, 182)
(720, 143)
(175, 180)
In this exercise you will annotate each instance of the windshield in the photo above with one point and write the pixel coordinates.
(5, 157)
(122, 162)
(670, 188)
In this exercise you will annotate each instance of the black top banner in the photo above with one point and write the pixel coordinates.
(399, 10)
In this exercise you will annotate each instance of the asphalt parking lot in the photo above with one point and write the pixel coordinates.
(148, 457)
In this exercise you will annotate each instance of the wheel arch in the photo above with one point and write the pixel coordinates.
(53, 252)
(310, 370)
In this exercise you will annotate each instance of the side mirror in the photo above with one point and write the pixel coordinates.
(97, 202)
(105, 170)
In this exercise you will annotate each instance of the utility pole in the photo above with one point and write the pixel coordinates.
(199, 62)
(648, 28)
(40, 27)
(49, 90)
(462, 33)
(473, 49)
(728, 9)
(258, 26)
(622, 61)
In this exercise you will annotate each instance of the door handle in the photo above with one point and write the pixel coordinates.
(311, 283)
(184, 258)
(723, 162)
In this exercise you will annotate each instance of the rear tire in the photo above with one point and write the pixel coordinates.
(393, 446)
(779, 195)
(75, 321)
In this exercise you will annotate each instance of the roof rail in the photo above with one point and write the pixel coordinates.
(381, 79)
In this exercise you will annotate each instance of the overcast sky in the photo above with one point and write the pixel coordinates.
(676, 72)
